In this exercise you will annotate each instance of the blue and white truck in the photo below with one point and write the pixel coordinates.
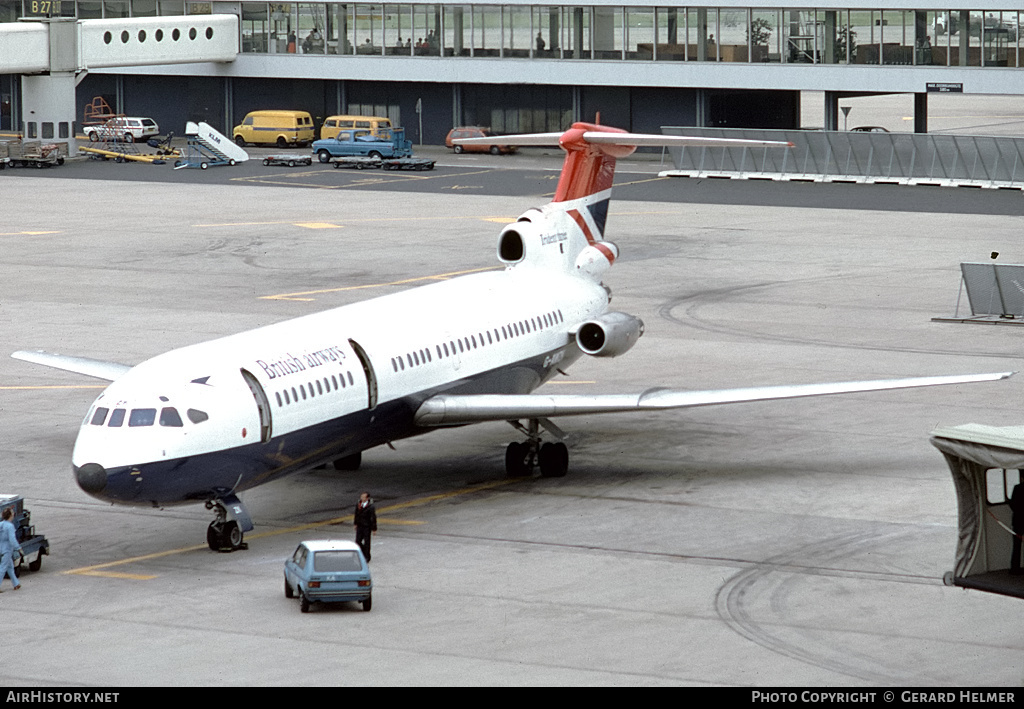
(361, 144)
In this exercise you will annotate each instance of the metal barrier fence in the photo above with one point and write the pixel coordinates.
(853, 156)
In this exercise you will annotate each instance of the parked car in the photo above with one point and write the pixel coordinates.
(125, 128)
(360, 143)
(328, 571)
(377, 125)
(476, 132)
(280, 128)
(870, 129)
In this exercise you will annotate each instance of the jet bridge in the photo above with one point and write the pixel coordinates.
(986, 464)
(55, 54)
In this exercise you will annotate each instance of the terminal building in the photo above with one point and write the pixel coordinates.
(524, 67)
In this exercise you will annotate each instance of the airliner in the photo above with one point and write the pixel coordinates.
(206, 422)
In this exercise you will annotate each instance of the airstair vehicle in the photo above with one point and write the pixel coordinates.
(208, 147)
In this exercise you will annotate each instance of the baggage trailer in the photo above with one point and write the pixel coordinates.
(25, 532)
(408, 164)
(33, 153)
(357, 163)
(289, 160)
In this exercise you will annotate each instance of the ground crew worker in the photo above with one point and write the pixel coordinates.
(365, 523)
(8, 545)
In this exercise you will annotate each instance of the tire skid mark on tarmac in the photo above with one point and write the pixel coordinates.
(694, 302)
(755, 603)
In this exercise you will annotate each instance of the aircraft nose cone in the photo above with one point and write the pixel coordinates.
(92, 478)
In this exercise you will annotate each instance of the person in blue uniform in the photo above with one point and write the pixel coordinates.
(365, 523)
(8, 545)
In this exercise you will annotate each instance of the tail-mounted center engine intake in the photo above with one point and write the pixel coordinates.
(519, 240)
(610, 335)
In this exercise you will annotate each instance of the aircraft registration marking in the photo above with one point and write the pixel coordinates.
(102, 569)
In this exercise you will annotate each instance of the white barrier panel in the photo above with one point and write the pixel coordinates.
(24, 48)
(158, 40)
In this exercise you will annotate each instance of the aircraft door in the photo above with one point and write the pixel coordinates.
(262, 405)
(371, 377)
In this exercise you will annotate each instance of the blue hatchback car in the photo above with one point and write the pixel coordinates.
(328, 571)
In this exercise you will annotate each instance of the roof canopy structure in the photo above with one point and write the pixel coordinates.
(985, 462)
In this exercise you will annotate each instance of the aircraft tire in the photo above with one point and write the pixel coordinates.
(516, 456)
(232, 535)
(553, 459)
(213, 536)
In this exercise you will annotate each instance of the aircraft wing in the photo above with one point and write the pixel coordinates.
(623, 138)
(453, 410)
(99, 369)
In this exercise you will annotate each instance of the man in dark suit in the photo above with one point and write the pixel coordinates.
(366, 523)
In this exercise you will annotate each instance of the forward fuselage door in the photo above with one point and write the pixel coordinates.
(371, 377)
(262, 405)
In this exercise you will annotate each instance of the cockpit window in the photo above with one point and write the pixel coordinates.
(116, 418)
(169, 417)
(197, 416)
(142, 417)
(100, 416)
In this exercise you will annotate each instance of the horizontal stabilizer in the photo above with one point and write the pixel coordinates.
(634, 139)
(453, 410)
(96, 368)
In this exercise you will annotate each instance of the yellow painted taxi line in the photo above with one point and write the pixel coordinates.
(303, 295)
(118, 575)
(101, 569)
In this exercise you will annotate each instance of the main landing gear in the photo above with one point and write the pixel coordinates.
(551, 458)
(226, 531)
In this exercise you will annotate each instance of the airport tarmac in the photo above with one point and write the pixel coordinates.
(771, 544)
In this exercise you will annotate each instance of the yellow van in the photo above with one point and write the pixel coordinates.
(379, 127)
(281, 128)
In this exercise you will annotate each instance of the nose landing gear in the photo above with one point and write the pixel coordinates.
(226, 531)
(551, 458)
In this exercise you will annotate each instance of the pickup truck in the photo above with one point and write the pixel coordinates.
(360, 143)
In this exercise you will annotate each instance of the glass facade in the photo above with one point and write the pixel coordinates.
(882, 36)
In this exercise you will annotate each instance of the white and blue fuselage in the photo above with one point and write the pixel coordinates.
(222, 416)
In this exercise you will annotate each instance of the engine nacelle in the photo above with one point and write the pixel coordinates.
(610, 335)
(520, 240)
(597, 258)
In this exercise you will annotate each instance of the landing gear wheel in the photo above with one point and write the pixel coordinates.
(517, 460)
(225, 536)
(553, 459)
